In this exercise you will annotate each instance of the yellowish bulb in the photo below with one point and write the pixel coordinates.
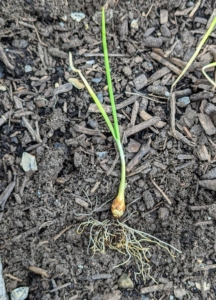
(118, 206)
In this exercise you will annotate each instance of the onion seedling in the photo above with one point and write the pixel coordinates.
(117, 235)
(118, 205)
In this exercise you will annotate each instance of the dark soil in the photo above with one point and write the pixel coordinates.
(78, 166)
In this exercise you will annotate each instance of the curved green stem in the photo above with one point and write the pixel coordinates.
(94, 97)
(108, 76)
(202, 42)
(123, 168)
(206, 75)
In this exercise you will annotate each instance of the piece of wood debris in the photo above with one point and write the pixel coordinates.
(157, 287)
(183, 12)
(160, 190)
(146, 124)
(5, 117)
(195, 8)
(185, 156)
(182, 138)
(163, 16)
(210, 174)
(4, 59)
(207, 124)
(158, 74)
(82, 129)
(94, 109)
(145, 116)
(159, 165)
(208, 184)
(13, 277)
(137, 158)
(134, 113)
(205, 268)
(203, 154)
(60, 287)
(31, 130)
(39, 271)
(57, 236)
(6, 194)
(96, 186)
(81, 202)
(64, 88)
(133, 146)
(166, 63)
(185, 165)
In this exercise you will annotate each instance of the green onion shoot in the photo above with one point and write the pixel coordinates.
(118, 205)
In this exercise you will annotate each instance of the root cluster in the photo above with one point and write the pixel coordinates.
(129, 242)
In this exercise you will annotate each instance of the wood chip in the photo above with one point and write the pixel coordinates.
(94, 109)
(57, 236)
(137, 158)
(210, 174)
(160, 190)
(133, 146)
(5, 117)
(64, 88)
(95, 187)
(163, 16)
(39, 271)
(158, 74)
(34, 135)
(130, 131)
(88, 131)
(6, 194)
(157, 287)
(207, 124)
(134, 113)
(166, 63)
(145, 116)
(203, 154)
(208, 184)
(81, 202)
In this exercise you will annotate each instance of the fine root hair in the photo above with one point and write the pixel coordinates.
(132, 244)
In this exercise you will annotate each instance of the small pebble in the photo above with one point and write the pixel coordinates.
(61, 24)
(93, 123)
(90, 62)
(163, 213)
(148, 200)
(143, 297)
(127, 71)
(77, 16)
(190, 3)
(28, 68)
(20, 43)
(28, 162)
(134, 24)
(171, 297)
(153, 42)
(147, 65)
(125, 282)
(100, 97)
(165, 31)
(180, 293)
(97, 16)
(158, 90)
(140, 82)
(101, 154)
(183, 102)
(2, 23)
(20, 293)
(64, 18)
(96, 80)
